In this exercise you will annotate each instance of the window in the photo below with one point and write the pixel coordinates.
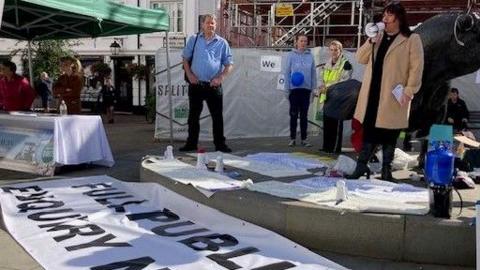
(174, 10)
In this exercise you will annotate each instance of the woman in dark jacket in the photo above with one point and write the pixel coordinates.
(109, 96)
(69, 85)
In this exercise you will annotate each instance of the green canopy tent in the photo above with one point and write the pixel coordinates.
(67, 19)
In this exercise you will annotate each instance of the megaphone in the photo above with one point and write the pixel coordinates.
(372, 29)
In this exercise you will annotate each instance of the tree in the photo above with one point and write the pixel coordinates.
(46, 56)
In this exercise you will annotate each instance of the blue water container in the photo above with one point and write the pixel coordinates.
(439, 165)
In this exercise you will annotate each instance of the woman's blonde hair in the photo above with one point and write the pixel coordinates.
(75, 64)
(77, 67)
(337, 44)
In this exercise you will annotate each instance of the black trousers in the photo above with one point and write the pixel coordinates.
(213, 96)
(44, 96)
(299, 103)
(332, 134)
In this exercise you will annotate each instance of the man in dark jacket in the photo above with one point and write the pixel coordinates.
(44, 90)
(457, 112)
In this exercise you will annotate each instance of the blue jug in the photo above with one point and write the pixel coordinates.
(439, 165)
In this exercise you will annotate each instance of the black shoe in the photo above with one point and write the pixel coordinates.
(387, 174)
(223, 148)
(360, 170)
(188, 148)
(388, 153)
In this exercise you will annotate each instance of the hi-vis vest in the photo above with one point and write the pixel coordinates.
(331, 76)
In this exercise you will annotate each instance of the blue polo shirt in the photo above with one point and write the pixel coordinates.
(210, 57)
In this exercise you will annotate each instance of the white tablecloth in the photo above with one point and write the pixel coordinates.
(81, 139)
(77, 138)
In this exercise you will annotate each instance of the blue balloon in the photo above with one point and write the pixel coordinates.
(297, 78)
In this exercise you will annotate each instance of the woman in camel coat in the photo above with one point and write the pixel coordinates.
(398, 63)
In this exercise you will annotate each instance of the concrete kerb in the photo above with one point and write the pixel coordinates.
(419, 239)
(440, 241)
(367, 235)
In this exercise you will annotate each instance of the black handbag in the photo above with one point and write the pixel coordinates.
(185, 77)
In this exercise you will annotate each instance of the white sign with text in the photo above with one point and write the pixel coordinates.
(271, 63)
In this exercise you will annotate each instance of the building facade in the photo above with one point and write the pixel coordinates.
(134, 49)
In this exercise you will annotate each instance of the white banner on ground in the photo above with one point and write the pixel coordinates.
(100, 223)
(287, 160)
(270, 169)
(363, 196)
(205, 181)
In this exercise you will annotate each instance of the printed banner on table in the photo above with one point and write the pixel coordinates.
(100, 223)
(28, 150)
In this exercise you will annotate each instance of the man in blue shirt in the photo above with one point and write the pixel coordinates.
(207, 60)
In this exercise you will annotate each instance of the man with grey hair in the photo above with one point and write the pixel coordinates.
(207, 60)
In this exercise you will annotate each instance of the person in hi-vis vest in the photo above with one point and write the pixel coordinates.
(336, 70)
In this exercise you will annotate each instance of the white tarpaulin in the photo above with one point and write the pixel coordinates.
(205, 181)
(363, 196)
(100, 223)
(288, 160)
(260, 167)
(252, 104)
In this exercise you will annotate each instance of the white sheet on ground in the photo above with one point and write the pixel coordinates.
(372, 188)
(372, 196)
(401, 160)
(287, 160)
(260, 167)
(205, 181)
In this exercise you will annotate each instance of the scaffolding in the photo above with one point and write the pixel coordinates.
(256, 23)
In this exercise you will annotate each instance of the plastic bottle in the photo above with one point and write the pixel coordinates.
(342, 192)
(201, 159)
(63, 108)
(168, 154)
(219, 164)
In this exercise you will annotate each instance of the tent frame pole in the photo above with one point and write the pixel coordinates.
(169, 83)
(30, 67)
